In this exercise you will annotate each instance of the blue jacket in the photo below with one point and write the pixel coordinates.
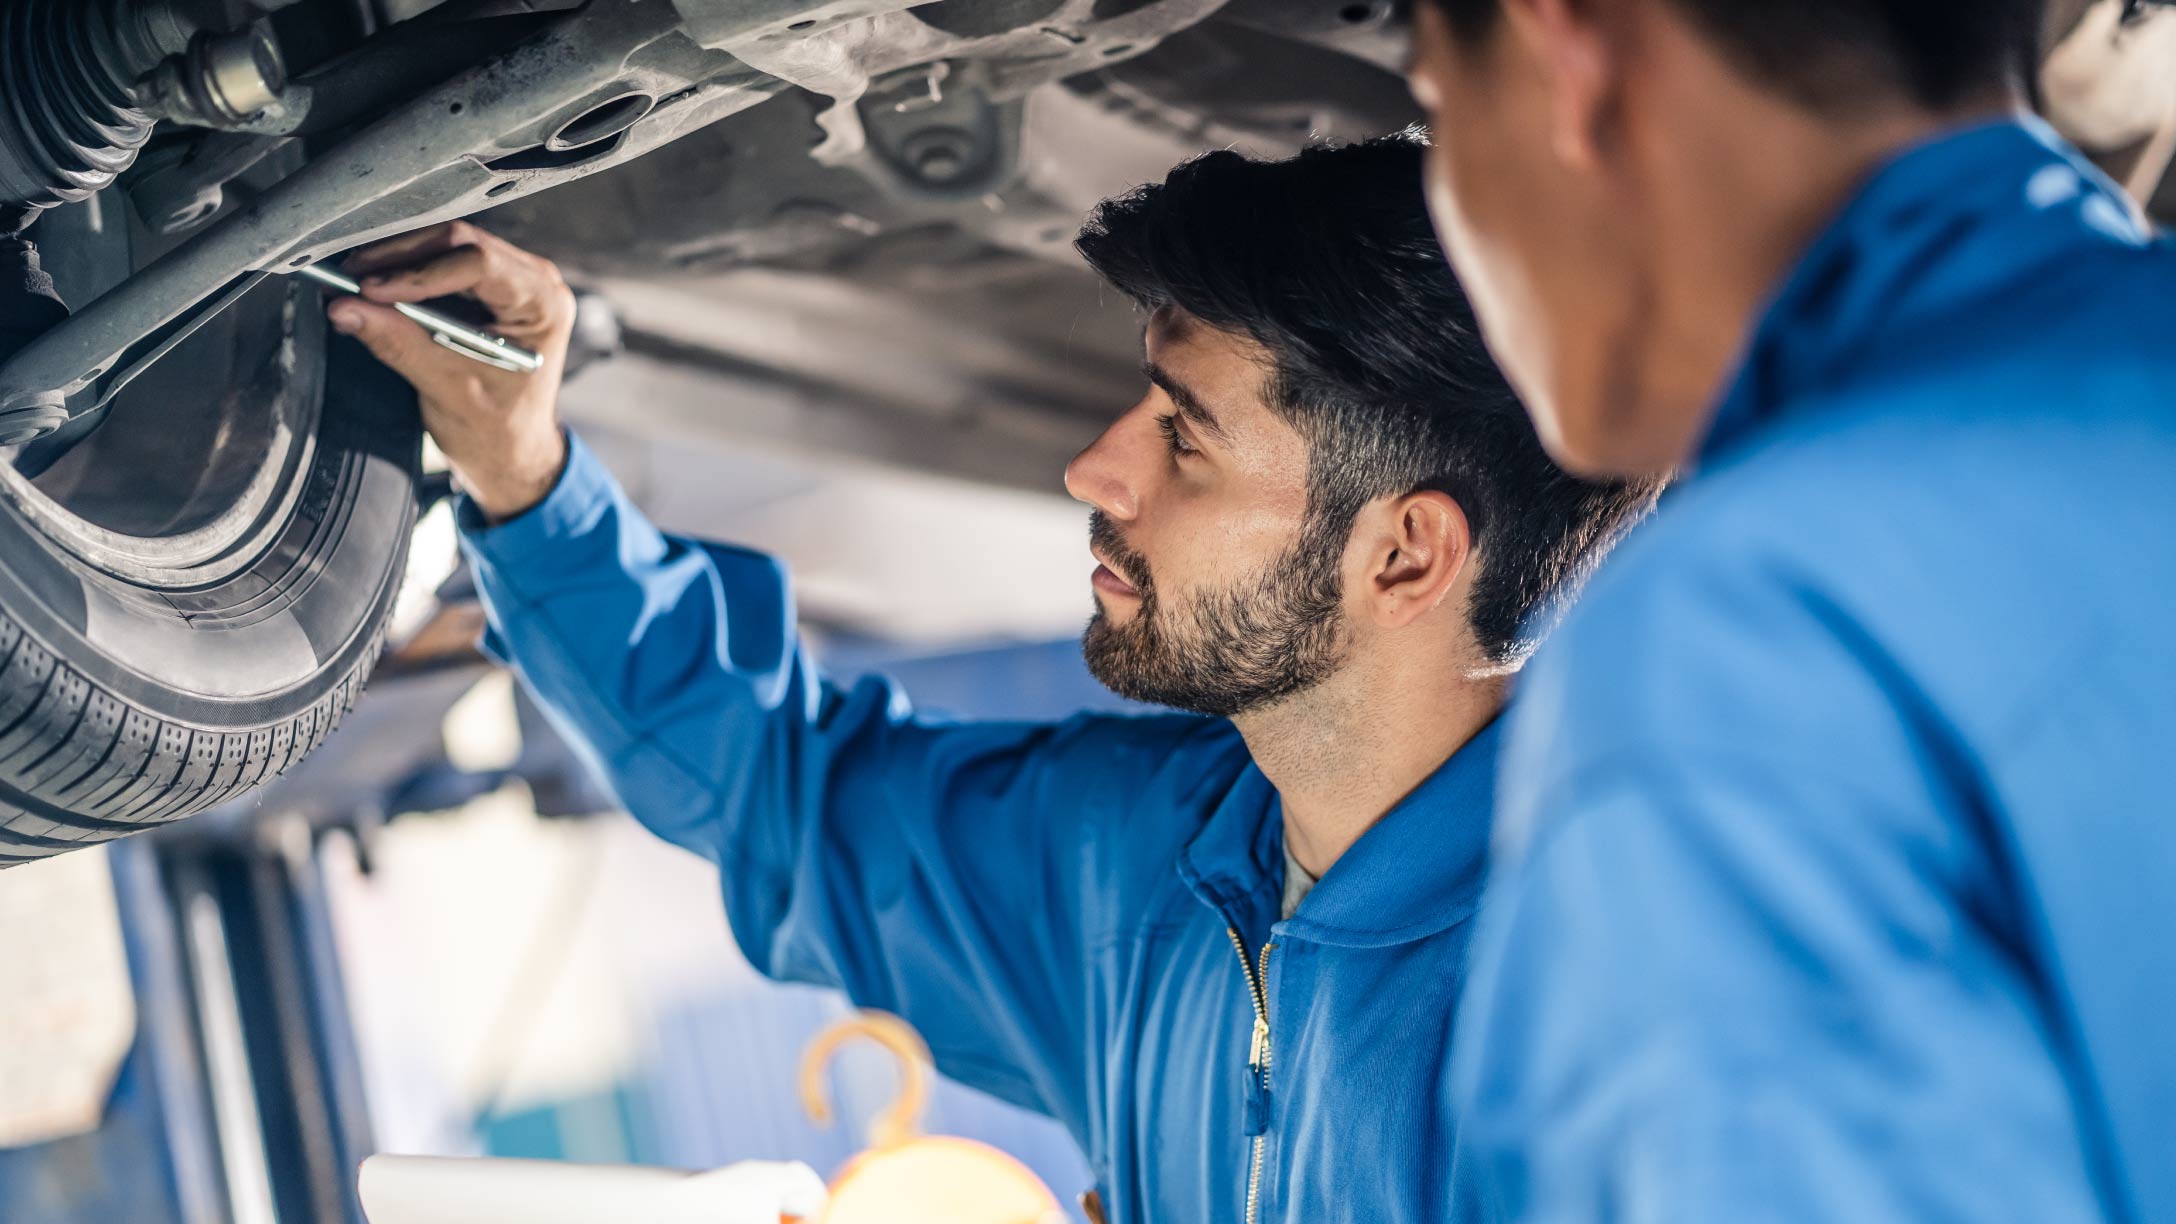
(1837, 873)
(1060, 909)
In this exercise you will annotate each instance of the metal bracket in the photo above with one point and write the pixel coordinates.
(425, 162)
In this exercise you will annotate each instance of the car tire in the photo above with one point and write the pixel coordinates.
(134, 693)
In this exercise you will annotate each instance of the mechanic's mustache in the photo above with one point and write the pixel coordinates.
(1104, 538)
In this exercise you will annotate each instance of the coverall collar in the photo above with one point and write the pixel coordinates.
(1936, 226)
(1418, 871)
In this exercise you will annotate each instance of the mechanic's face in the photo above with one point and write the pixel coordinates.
(1547, 244)
(1211, 596)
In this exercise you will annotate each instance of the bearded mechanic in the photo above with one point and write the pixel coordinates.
(1321, 532)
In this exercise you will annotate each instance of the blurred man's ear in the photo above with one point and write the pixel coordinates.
(1580, 46)
(1415, 550)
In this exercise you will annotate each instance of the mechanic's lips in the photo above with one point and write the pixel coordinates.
(1106, 580)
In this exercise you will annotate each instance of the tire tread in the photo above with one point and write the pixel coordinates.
(90, 766)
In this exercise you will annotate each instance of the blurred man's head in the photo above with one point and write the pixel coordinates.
(1621, 182)
(1326, 462)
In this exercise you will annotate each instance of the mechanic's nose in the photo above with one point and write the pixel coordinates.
(1099, 475)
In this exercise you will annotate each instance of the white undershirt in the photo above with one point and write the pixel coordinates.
(1296, 882)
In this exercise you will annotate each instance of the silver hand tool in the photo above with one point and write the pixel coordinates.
(496, 351)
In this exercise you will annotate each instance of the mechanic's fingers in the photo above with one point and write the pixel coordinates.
(391, 337)
(463, 270)
(526, 294)
(408, 248)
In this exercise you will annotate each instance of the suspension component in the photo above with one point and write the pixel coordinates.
(75, 103)
(28, 306)
(221, 81)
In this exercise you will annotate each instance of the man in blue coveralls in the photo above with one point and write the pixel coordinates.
(1837, 876)
(1322, 531)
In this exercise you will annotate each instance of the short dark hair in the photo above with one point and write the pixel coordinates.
(1824, 53)
(1328, 260)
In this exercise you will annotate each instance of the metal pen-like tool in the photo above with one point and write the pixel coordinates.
(495, 351)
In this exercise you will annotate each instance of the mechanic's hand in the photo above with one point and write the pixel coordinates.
(499, 430)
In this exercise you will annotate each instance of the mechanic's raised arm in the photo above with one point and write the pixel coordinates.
(932, 871)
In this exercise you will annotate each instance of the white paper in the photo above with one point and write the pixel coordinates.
(449, 1190)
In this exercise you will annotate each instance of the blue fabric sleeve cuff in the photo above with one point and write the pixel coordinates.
(585, 489)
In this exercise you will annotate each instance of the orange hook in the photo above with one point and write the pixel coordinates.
(901, 1122)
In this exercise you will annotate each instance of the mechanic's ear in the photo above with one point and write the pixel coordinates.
(1416, 549)
(1580, 45)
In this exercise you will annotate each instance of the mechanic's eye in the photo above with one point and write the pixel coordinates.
(1173, 439)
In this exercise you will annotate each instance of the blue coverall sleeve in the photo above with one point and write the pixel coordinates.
(932, 871)
(1739, 960)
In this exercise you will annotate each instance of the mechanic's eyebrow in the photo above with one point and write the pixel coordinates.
(1189, 404)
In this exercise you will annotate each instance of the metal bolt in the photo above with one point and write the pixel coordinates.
(241, 73)
(940, 164)
(940, 155)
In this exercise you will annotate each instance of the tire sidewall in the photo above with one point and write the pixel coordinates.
(229, 655)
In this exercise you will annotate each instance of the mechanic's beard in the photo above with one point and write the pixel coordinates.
(1229, 652)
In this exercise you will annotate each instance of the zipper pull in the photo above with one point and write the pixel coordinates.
(1258, 1047)
(1256, 1121)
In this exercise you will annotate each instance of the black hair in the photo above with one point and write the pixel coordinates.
(1826, 53)
(1328, 260)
